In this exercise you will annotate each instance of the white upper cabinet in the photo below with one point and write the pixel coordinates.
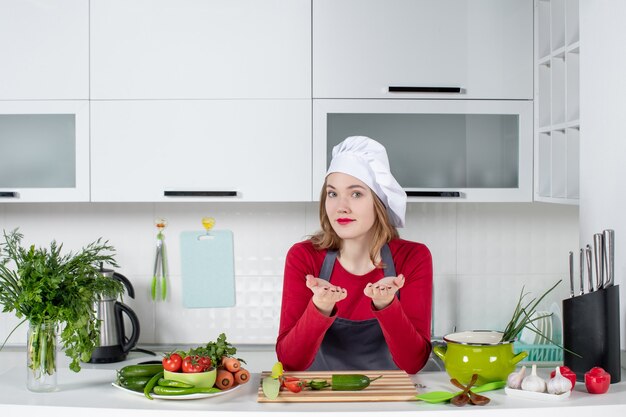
(201, 150)
(44, 150)
(44, 49)
(461, 49)
(195, 49)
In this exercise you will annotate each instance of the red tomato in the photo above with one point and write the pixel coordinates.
(205, 361)
(172, 362)
(192, 365)
(597, 380)
(567, 373)
(293, 385)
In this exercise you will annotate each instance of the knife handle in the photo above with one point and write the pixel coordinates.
(598, 247)
(582, 272)
(609, 256)
(571, 274)
(589, 267)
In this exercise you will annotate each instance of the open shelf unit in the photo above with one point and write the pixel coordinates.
(557, 101)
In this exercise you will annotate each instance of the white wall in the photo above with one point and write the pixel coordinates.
(483, 254)
(603, 143)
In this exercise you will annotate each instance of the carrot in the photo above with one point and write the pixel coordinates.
(231, 364)
(224, 380)
(242, 376)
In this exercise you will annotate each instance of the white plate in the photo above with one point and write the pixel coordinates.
(541, 396)
(177, 397)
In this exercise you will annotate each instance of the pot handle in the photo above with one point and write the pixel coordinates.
(440, 351)
(515, 359)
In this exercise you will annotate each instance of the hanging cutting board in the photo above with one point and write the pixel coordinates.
(393, 386)
(207, 269)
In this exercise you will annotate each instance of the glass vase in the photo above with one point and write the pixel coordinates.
(41, 357)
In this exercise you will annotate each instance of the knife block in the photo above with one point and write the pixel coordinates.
(591, 329)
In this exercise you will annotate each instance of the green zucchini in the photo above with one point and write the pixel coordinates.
(161, 390)
(351, 382)
(139, 370)
(136, 383)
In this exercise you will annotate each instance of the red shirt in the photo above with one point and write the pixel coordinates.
(405, 323)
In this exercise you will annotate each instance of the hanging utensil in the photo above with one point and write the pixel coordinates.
(160, 274)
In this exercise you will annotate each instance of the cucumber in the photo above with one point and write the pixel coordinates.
(351, 382)
(136, 383)
(318, 384)
(161, 390)
(139, 370)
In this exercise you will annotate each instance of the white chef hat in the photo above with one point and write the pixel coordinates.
(366, 160)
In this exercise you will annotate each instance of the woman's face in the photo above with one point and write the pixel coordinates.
(349, 206)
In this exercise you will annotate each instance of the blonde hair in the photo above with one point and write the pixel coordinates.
(383, 230)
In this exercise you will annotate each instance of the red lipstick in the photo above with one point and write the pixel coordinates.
(344, 221)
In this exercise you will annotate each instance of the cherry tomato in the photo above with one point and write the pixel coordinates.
(294, 385)
(205, 361)
(597, 380)
(172, 362)
(567, 373)
(192, 365)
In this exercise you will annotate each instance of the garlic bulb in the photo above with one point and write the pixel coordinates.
(559, 384)
(534, 382)
(514, 380)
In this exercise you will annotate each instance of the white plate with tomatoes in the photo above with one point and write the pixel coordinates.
(178, 397)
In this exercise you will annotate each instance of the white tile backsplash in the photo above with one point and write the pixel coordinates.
(482, 256)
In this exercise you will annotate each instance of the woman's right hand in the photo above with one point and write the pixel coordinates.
(325, 295)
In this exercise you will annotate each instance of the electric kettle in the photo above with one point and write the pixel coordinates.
(114, 345)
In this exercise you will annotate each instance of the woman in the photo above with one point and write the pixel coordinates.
(355, 295)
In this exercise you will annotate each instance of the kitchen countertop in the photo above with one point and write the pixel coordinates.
(90, 392)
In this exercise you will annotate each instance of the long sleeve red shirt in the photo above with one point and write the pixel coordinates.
(405, 323)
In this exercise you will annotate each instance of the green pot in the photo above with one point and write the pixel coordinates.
(478, 352)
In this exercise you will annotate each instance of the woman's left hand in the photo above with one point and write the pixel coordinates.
(383, 291)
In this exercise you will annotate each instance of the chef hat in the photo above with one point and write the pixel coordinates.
(366, 160)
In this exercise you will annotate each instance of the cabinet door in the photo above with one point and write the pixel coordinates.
(439, 150)
(201, 150)
(44, 49)
(484, 48)
(195, 49)
(44, 151)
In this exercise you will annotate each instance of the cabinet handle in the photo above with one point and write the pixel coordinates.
(200, 193)
(433, 194)
(401, 89)
(8, 194)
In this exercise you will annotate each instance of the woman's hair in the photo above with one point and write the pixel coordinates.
(384, 231)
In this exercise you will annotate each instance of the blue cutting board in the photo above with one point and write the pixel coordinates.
(207, 269)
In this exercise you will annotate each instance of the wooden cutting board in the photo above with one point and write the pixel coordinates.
(393, 386)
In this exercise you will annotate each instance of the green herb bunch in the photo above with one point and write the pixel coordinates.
(44, 286)
(522, 316)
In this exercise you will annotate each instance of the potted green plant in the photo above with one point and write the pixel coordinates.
(54, 291)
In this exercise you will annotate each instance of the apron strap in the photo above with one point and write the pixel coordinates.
(331, 255)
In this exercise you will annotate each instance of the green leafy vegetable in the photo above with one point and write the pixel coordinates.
(43, 286)
(215, 350)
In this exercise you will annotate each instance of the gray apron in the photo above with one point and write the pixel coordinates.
(352, 344)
